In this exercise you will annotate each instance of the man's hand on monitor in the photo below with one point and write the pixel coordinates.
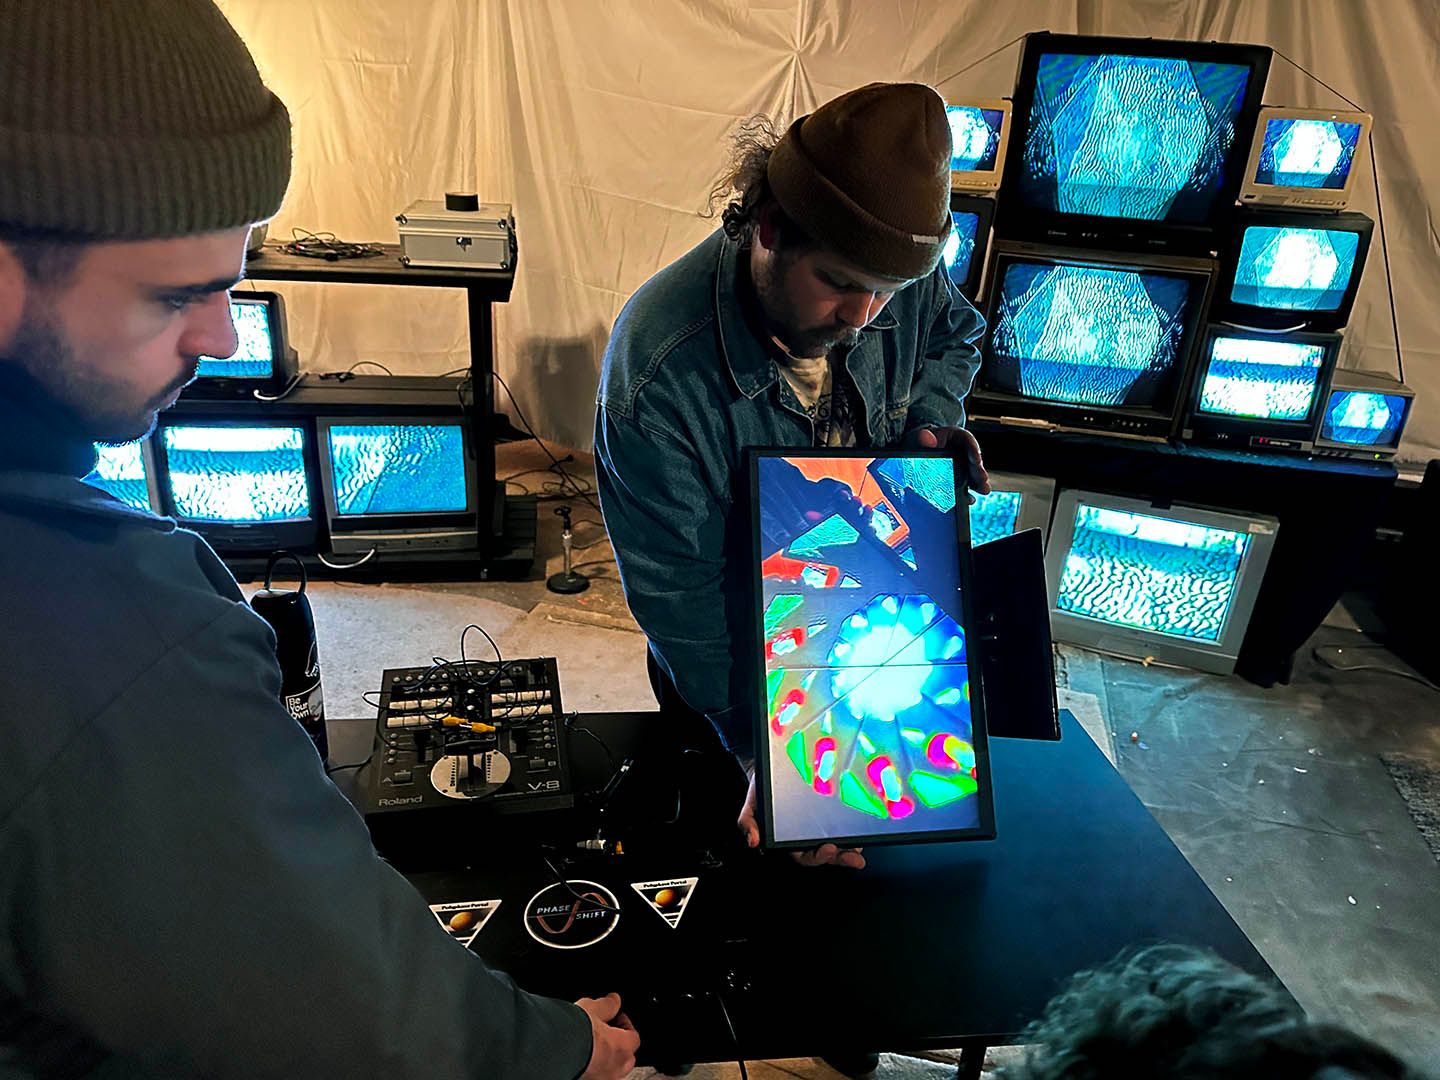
(824, 855)
(956, 439)
(614, 1039)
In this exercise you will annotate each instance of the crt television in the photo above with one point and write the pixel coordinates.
(1175, 584)
(1364, 415)
(1305, 158)
(126, 471)
(263, 360)
(1259, 390)
(245, 485)
(979, 134)
(964, 253)
(1015, 503)
(1129, 142)
(397, 483)
(1293, 270)
(870, 724)
(1089, 340)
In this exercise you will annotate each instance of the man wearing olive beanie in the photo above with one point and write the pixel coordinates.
(817, 316)
(182, 891)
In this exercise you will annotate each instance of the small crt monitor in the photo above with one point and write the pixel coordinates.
(1305, 158)
(126, 472)
(1089, 340)
(262, 361)
(244, 485)
(398, 483)
(979, 134)
(1292, 269)
(1015, 503)
(1259, 390)
(1176, 584)
(964, 252)
(870, 719)
(1364, 415)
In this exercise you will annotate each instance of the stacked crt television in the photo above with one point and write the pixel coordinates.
(263, 362)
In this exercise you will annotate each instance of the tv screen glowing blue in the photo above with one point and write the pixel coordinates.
(959, 250)
(120, 470)
(1364, 418)
(975, 137)
(1084, 335)
(1143, 138)
(1294, 269)
(1307, 153)
(255, 356)
(1267, 380)
(1151, 573)
(237, 474)
(398, 468)
(993, 516)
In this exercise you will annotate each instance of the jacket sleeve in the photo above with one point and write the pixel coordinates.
(189, 890)
(669, 532)
(951, 356)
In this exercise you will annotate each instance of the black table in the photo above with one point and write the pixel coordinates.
(930, 946)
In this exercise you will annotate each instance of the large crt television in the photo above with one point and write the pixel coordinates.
(869, 706)
(1294, 270)
(964, 253)
(245, 485)
(979, 135)
(1175, 584)
(1364, 415)
(397, 483)
(262, 362)
(126, 472)
(1259, 390)
(1015, 503)
(1129, 142)
(1087, 340)
(1305, 158)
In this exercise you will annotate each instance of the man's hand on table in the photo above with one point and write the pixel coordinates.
(824, 855)
(612, 1053)
(955, 439)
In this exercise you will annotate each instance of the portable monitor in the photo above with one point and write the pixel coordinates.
(1364, 416)
(1305, 158)
(979, 134)
(964, 252)
(262, 360)
(870, 725)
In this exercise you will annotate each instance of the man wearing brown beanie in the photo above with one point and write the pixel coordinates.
(182, 891)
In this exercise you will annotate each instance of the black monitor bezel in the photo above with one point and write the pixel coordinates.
(283, 365)
(983, 207)
(755, 648)
(1289, 318)
(1016, 220)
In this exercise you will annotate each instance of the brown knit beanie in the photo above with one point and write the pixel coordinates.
(868, 176)
(134, 119)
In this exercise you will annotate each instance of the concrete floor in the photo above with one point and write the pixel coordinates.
(1277, 797)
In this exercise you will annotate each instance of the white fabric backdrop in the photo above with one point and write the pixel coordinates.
(605, 123)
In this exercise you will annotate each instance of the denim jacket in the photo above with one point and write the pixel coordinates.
(686, 386)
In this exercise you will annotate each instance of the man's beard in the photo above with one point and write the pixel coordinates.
(776, 306)
(97, 403)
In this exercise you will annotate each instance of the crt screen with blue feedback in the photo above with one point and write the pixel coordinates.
(398, 468)
(237, 474)
(1364, 418)
(1085, 335)
(1307, 153)
(959, 251)
(1294, 269)
(255, 357)
(120, 470)
(1143, 138)
(1266, 380)
(975, 137)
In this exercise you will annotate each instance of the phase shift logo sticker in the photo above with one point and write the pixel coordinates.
(572, 915)
(668, 898)
(465, 919)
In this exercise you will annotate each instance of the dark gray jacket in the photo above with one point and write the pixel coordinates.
(686, 386)
(182, 890)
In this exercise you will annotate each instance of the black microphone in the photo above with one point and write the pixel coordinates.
(289, 615)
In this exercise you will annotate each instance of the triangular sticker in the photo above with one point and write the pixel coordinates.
(464, 920)
(667, 897)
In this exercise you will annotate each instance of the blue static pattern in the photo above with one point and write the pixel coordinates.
(974, 136)
(1163, 575)
(254, 358)
(1294, 269)
(993, 516)
(933, 479)
(1088, 336)
(1364, 418)
(398, 468)
(959, 249)
(1307, 153)
(1267, 380)
(120, 470)
(237, 474)
(1143, 138)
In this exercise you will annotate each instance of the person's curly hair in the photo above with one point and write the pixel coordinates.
(743, 188)
(1177, 1012)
